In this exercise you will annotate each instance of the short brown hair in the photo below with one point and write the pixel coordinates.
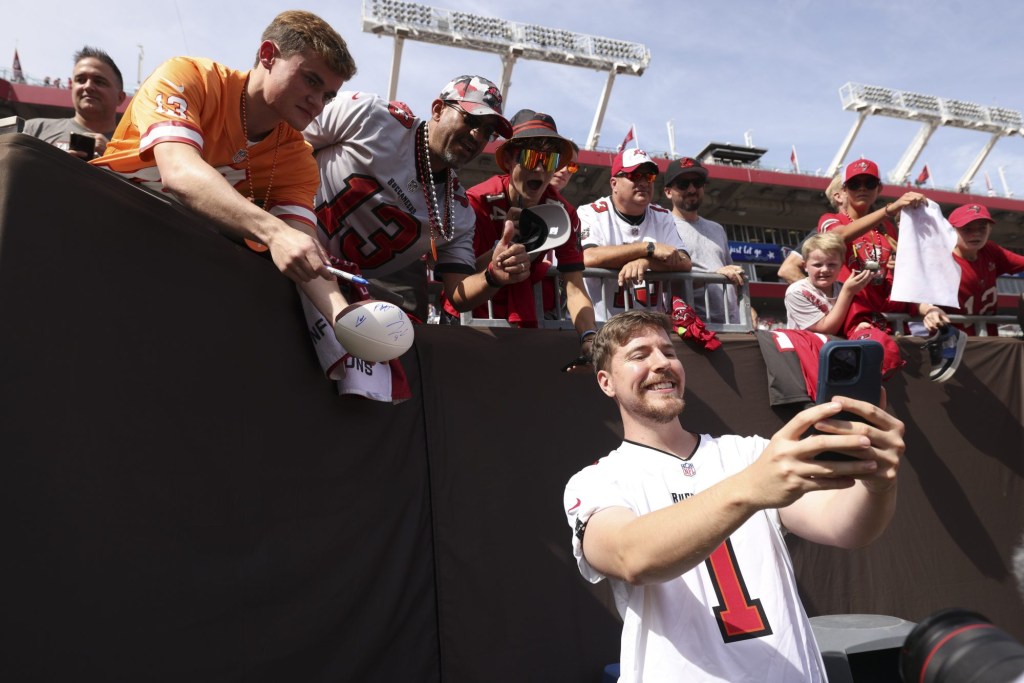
(296, 31)
(825, 242)
(621, 328)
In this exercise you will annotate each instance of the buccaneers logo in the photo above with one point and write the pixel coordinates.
(401, 112)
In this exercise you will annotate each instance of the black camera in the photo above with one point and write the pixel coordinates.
(960, 646)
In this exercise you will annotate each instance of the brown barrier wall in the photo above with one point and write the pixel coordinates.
(184, 497)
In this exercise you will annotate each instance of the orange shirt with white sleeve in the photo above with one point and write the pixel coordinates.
(198, 102)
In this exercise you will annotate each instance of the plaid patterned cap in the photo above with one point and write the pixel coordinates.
(478, 96)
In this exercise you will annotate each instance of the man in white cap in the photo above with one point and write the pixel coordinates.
(625, 231)
(389, 193)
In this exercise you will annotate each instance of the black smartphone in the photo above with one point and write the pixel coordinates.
(83, 143)
(851, 368)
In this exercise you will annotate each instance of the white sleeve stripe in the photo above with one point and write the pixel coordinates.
(782, 340)
(170, 132)
(295, 212)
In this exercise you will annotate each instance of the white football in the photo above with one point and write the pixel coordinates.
(374, 331)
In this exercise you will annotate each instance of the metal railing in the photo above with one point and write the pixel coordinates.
(979, 323)
(680, 284)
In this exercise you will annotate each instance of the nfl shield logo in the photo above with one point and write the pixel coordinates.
(688, 469)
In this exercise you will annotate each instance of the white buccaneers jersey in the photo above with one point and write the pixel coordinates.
(736, 616)
(371, 208)
(601, 226)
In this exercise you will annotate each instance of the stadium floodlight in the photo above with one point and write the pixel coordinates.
(474, 25)
(1007, 117)
(932, 112)
(924, 104)
(966, 111)
(490, 34)
(508, 39)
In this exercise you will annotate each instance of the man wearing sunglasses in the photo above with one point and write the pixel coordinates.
(625, 231)
(529, 159)
(389, 193)
(705, 240)
(871, 238)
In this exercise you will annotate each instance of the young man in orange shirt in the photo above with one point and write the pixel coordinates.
(228, 144)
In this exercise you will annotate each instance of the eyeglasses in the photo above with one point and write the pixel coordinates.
(529, 158)
(685, 184)
(867, 183)
(475, 122)
(572, 167)
(638, 176)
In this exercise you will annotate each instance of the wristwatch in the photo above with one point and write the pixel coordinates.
(650, 249)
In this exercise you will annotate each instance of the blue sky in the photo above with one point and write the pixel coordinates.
(718, 69)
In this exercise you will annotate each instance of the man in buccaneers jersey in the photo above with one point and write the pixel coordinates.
(389, 192)
(227, 144)
(625, 231)
(688, 528)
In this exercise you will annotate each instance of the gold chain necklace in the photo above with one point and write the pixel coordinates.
(248, 158)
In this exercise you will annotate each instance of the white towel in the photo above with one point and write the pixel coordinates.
(926, 271)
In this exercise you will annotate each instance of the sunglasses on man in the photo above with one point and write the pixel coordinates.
(474, 122)
(866, 183)
(549, 161)
(638, 176)
(684, 185)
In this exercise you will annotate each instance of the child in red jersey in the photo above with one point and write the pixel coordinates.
(981, 261)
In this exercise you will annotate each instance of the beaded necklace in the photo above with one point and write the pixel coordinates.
(446, 227)
(248, 159)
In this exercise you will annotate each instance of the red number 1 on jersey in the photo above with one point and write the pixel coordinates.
(739, 617)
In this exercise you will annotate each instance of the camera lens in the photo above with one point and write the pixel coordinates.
(960, 646)
(843, 364)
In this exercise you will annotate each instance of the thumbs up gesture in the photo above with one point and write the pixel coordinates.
(509, 261)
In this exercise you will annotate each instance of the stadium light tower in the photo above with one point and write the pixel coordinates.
(932, 112)
(509, 40)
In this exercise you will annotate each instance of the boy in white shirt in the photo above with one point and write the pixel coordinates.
(818, 303)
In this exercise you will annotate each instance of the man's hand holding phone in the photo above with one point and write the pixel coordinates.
(883, 431)
(87, 146)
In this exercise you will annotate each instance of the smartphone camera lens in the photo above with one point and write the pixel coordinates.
(843, 364)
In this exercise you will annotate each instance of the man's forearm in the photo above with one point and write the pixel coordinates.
(664, 544)
(466, 292)
(581, 308)
(844, 518)
(613, 256)
(205, 191)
